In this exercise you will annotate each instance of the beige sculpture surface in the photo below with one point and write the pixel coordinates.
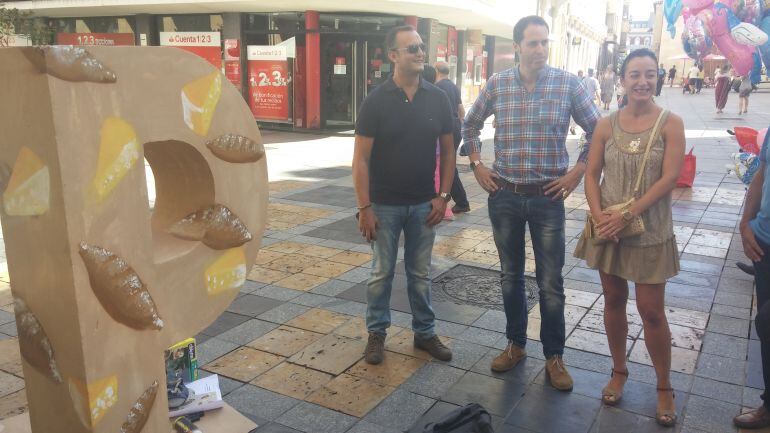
(102, 282)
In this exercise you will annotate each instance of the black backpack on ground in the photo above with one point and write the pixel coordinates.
(471, 418)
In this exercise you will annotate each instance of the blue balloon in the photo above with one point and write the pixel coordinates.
(732, 20)
(671, 10)
(764, 49)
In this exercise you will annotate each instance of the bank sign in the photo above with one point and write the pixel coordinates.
(269, 82)
(204, 44)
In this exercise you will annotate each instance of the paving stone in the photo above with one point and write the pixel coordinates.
(247, 331)
(13, 404)
(283, 313)
(318, 320)
(277, 293)
(433, 380)
(682, 360)
(225, 322)
(585, 360)
(356, 275)
(496, 395)
(274, 428)
(733, 299)
(451, 312)
(254, 401)
(367, 427)
(10, 384)
(293, 380)
(611, 420)
(252, 305)
(722, 369)
(535, 411)
(465, 354)
(351, 395)
(212, 349)
(301, 281)
(393, 371)
(492, 320)
(725, 345)
(332, 287)
(710, 415)
(311, 300)
(728, 325)
(311, 418)
(480, 336)
(449, 329)
(399, 410)
(332, 354)
(285, 340)
(752, 397)
(10, 357)
(346, 307)
(244, 364)
(734, 312)
(717, 390)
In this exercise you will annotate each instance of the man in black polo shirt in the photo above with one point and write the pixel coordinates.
(398, 128)
(458, 114)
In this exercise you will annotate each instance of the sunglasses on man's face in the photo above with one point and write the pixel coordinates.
(412, 49)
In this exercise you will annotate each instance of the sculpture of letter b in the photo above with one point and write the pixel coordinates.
(102, 282)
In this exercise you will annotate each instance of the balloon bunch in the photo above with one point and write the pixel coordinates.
(738, 29)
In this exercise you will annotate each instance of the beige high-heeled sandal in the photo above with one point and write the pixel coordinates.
(666, 418)
(611, 397)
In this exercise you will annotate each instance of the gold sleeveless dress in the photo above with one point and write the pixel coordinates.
(652, 257)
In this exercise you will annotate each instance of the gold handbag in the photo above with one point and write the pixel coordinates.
(635, 227)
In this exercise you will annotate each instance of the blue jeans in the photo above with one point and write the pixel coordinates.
(762, 280)
(509, 212)
(418, 245)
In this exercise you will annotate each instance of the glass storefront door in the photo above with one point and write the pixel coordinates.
(338, 79)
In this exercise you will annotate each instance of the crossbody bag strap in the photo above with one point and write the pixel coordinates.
(653, 137)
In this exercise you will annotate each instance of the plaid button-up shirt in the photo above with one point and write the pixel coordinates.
(531, 127)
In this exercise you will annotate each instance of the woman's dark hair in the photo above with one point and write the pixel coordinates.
(429, 74)
(641, 52)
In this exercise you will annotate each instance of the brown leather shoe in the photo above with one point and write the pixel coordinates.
(509, 358)
(375, 348)
(557, 373)
(757, 418)
(434, 346)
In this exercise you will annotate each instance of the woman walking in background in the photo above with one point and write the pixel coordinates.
(607, 84)
(722, 90)
(640, 150)
(743, 94)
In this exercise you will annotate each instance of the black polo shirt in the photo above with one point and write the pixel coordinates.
(403, 159)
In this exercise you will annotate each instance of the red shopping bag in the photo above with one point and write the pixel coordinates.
(687, 175)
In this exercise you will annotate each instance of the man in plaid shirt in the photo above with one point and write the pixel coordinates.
(528, 183)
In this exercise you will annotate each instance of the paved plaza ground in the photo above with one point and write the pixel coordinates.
(289, 350)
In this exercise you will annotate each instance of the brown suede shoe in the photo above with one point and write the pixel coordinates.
(375, 348)
(757, 418)
(509, 358)
(434, 346)
(557, 373)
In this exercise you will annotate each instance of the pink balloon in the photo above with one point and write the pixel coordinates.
(734, 5)
(707, 15)
(761, 137)
(686, 14)
(740, 56)
(697, 5)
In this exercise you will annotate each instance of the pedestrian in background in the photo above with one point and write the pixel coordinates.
(661, 79)
(744, 91)
(701, 77)
(528, 183)
(671, 76)
(722, 90)
(393, 166)
(592, 85)
(637, 153)
(607, 83)
(458, 114)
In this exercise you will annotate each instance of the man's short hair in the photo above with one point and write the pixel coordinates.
(442, 68)
(522, 24)
(390, 38)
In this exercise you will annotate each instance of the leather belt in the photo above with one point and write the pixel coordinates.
(523, 189)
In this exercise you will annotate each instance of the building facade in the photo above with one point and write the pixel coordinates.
(301, 64)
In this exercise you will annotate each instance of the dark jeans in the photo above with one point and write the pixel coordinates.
(762, 280)
(509, 212)
(661, 80)
(458, 191)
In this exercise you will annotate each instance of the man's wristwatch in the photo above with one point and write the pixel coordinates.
(475, 164)
(446, 196)
(627, 215)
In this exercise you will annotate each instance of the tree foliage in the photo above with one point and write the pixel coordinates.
(15, 22)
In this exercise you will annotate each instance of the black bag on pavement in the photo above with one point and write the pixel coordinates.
(471, 418)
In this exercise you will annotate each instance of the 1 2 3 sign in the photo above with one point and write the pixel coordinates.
(268, 83)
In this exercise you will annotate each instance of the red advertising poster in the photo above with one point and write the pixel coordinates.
(452, 41)
(268, 82)
(440, 53)
(233, 62)
(207, 45)
(101, 39)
